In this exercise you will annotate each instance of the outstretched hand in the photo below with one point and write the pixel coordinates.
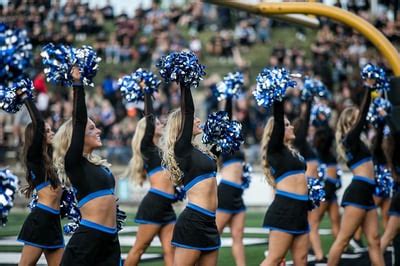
(76, 74)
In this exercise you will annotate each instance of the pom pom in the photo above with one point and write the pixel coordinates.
(320, 115)
(15, 52)
(246, 176)
(69, 205)
(180, 193)
(88, 63)
(134, 86)
(323, 175)
(121, 218)
(224, 134)
(316, 192)
(272, 85)
(183, 68)
(34, 200)
(70, 228)
(8, 100)
(313, 87)
(384, 181)
(8, 186)
(373, 116)
(230, 87)
(378, 75)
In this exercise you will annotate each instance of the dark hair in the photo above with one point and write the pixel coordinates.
(49, 171)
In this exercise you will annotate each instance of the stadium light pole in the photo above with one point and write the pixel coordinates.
(357, 23)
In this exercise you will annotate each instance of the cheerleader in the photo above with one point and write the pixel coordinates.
(358, 203)
(41, 231)
(231, 208)
(284, 169)
(96, 240)
(195, 237)
(155, 215)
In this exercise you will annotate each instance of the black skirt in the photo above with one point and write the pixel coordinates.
(359, 194)
(196, 229)
(230, 197)
(287, 214)
(89, 246)
(156, 208)
(42, 228)
(330, 190)
(394, 209)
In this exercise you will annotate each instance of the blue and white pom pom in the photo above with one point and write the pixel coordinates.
(34, 200)
(316, 192)
(246, 176)
(88, 63)
(8, 187)
(320, 115)
(272, 85)
(230, 87)
(69, 205)
(121, 218)
(372, 72)
(373, 116)
(70, 228)
(222, 133)
(15, 52)
(8, 99)
(180, 193)
(384, 181)
(313, 87)
(181, 67)
(134, 86)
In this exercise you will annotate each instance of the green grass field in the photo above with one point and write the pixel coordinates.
(254, 254)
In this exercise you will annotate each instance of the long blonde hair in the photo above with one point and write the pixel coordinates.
(168, 140)
(345, 122)
(264, 148)
(135, 170)
(61, 142)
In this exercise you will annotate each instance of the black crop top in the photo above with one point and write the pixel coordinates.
(357, 152)
(281, 160)
(35, 163)
(89, 180)
(150, 152)
(300, 142)
(237, 156)
(195, 165)
(323, 142)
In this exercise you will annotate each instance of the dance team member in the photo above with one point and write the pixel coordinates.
(96, 240)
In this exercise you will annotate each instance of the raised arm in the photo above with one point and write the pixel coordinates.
(302, 131)
(35, 151)
(229, 107)
(184, 142)
(150, 122)
(354, 134)
(278, 132)
(377, 150)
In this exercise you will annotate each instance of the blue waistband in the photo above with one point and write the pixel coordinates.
(364, 179)
(155, 170)
(103, 228)
(200, 209)
(332, 180)
(47, 208)
(226, 163)
(94, 195)
(162, 193)
(198, 179)
(42, 185)
(230, 183)
(292, 195)
(289, 173)
(360, 162)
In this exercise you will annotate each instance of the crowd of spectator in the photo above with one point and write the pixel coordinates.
(143, 36)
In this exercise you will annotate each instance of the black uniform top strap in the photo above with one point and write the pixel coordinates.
(184, 143)
(147, 140)
(278, 132)
(229, 107)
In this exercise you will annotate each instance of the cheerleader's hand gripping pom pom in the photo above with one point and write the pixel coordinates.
(246, 177)
(320, 115)
(222, 133)
(375, 78)
(180, 193)
(378, 111)
(384, 182)
(8, 187)
(272, 85)
(134, 86)
(230, 87)
(316, 192)
(183, 68)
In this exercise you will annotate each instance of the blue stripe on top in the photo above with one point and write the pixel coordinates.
(232, 162)
(332, 180)
(289, 173)
(364, 179)
(94, 195)
(155, 170)
(230, 183)
(355, 165)
(162, 193)
(47, 208)
(42, 185)
(200, 209)
(198, 179)
(292, 195)
(103, 228)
